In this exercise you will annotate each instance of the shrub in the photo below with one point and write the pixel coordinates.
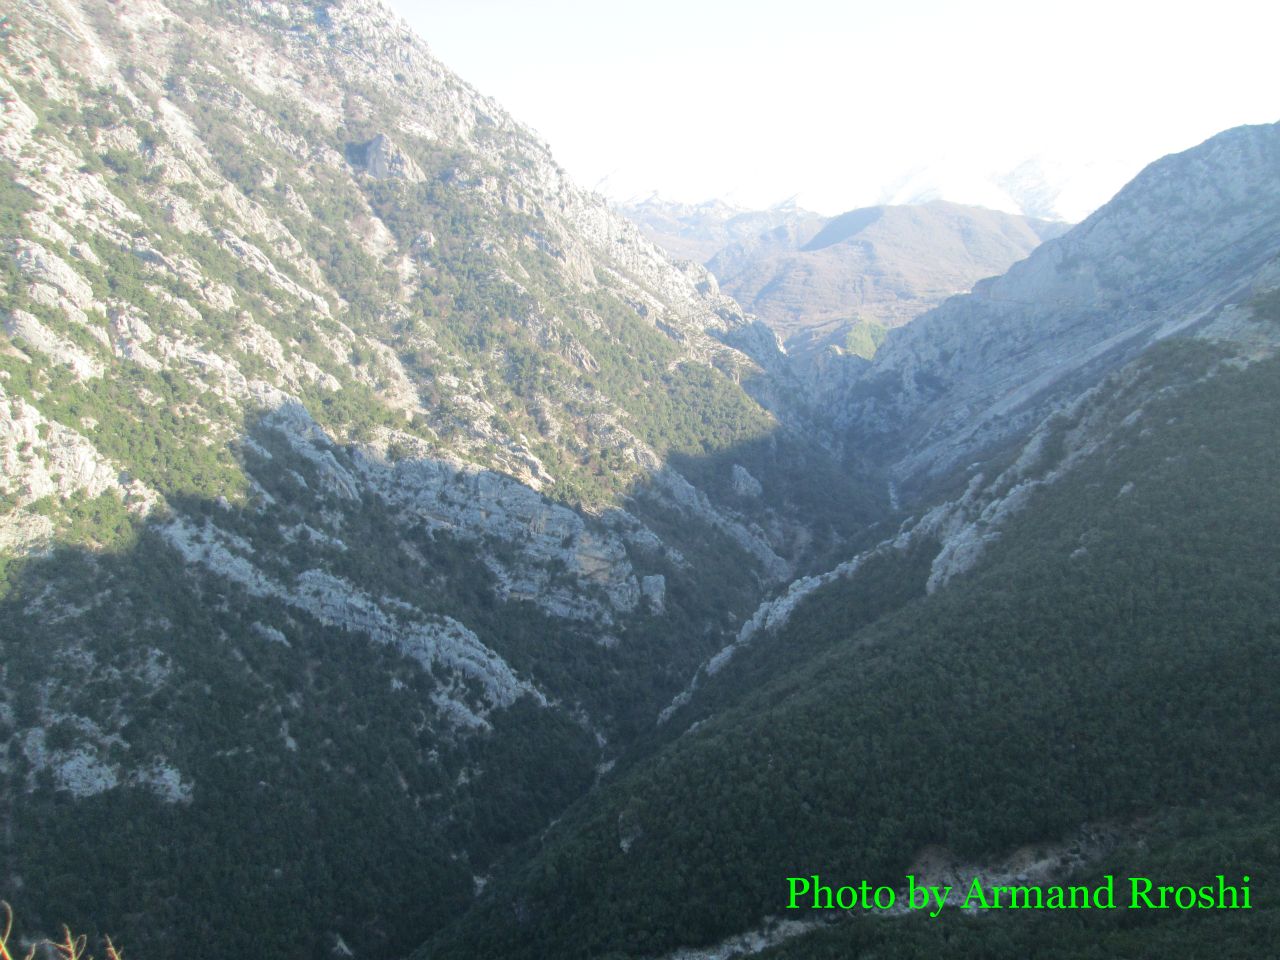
(68, 948)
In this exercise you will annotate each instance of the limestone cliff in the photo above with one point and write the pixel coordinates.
(1185, 239)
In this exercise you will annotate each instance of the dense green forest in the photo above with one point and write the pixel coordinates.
(1113, 657)
(329, 801)
(323, 801)
(1185, 844)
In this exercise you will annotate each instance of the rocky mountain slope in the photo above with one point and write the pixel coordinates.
(1188, 236)
(397, 548)
(367, 485)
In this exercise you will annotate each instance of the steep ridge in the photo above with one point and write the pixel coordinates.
(367, 485)
(1186, 236)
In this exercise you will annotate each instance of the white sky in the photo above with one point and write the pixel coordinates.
(840, 102)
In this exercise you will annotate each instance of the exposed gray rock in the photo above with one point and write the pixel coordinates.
(271, 634)
(130, 333)
(744, 484)
(40, 458)
(332, 600)
(654, 589)
(383, 160)
(694, 503)
(771, 933)
(164, 780)
(771, 615)
(251, 256)
(81, 772)
(28, 330)
(1186, 236)
(42, 266)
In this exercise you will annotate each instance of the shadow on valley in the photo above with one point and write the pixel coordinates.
(1110, 661)
(209, 753)
(244, 697)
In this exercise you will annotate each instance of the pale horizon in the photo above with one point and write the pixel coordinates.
(851, 104)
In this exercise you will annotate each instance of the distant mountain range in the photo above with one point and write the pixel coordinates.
(698, 231)
(1049, 187)
(820, 281)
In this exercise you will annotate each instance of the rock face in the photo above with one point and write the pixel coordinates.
(45, 459)
(1187, 236)
(332, 600)
(383, 160)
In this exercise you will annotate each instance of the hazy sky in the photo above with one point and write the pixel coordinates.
(850, 103)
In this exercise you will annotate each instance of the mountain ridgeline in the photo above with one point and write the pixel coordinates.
(400, 555)
(836, 284)
(1192, 234)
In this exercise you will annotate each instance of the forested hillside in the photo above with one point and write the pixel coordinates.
(1109, 660)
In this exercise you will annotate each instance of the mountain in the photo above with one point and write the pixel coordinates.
(1056, 669)
(401, 555)
(1090, 698)
(700, 231)
(1187, 236)
(1056, 185)
(814, 282)
(840, 282)
(367, 487)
